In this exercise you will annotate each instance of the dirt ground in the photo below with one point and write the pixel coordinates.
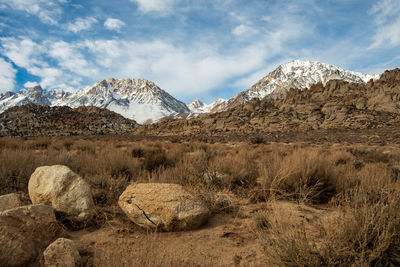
(227, 239)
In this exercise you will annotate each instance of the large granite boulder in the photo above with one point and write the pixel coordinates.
(24, 233)
(167, 207)
(64, 190)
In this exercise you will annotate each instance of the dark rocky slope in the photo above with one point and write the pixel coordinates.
(34, 120)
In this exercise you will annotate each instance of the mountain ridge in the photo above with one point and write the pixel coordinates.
(137, 99)
(336, 105)
(301, 74)
(144, 102)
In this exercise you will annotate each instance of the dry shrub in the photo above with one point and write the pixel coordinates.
(237, 171)
(368, 231)
(39, 143)
(365, 231)
(16, 167)
(84, 146)
(370, 155)
(305, 174)
(154, 159)
(189, 171)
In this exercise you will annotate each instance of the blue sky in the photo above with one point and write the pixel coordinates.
(202, 49)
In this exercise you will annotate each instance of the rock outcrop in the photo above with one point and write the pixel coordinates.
(167, 207)
(335, 105)
(24, 232)
(62, 252)
(64, 190)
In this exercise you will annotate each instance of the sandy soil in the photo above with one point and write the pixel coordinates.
(225, 240)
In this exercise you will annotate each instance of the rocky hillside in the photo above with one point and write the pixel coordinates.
(35, 120)
(336, 105)
(295, 74)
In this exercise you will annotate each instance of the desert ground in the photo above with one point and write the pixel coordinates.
(271, 203)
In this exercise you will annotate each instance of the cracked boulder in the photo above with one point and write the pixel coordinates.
(64, 190)
(165, 207)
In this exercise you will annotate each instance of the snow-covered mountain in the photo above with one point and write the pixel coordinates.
(35, 95)
(199, 107)
(136, 99)
(295, 74)
(143, 101)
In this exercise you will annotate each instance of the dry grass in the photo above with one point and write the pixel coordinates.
(359, 183)
(364, 231)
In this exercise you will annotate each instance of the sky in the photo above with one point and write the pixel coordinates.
(193, 49)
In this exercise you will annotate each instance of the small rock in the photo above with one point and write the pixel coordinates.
(62, 252)
(166, 207)
(221, 201)
(64, 190)
(12, 200)
(24, 232)
(226, 202)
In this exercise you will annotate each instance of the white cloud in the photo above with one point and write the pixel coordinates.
(48, 11)
(387, 35)
(387, 20)
(30, 84)
(32, 56)
(81, 24)
(154, 5)
(183, 69)
(70, 58)
(179, 70)
(385, 9)
(7, 76)
(243, 29)
(23, 52)
(114, 24)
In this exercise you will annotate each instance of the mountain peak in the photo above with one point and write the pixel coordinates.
(301, 74)
(137, 99)
(196, 103)
(36, 88)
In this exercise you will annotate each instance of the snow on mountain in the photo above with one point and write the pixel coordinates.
(143, 101)
(295, 74)
(35, 95)
(136, 99)
(199, 107)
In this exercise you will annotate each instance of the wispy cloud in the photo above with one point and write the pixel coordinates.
(154, 5)
(7, 76)
(48, 11)
(387, 19)
(81, 24)
(30, 84)
(243, 29)
(114, 24)
(70, 58)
